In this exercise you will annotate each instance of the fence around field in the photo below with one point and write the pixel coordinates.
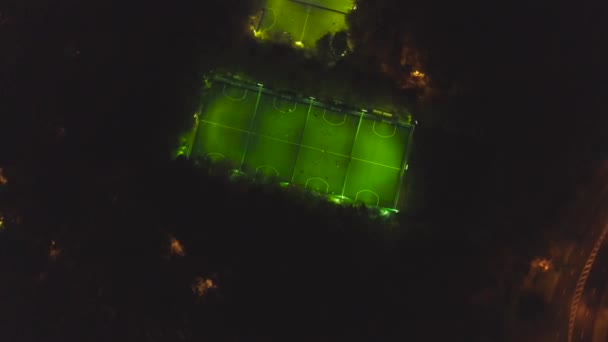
(338, 151)
(340, 6)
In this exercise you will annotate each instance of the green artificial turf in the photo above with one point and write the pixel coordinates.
(305, 22)
(304, 142)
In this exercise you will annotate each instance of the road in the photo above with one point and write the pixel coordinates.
(564, 291)
(584, 312)
(590, 322)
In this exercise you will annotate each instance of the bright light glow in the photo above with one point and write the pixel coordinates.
(182, 150)
(284, 184)
(201, 286)
(388, 211)
(407, 166)
(54, 250)
(176, 247)
(338, 199)
(3, 180)
(260, 85)
(1, 222)
(257, 34)
(299, 44)
(541, 263)
(417, 74)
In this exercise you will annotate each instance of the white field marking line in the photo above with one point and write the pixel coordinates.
(274, 19)
(384, 136)
(301, 145)
(331, 123)
(582, 280)
(274, 104)
(267, 166)
(234, 98)
(373, 192)
(216, 154)
(321, 179)
(305, 23)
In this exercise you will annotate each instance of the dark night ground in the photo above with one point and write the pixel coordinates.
(93, 96)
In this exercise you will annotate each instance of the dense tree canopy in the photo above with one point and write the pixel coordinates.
(83, 65)
(522, 77)
(93, 95)
(86, 249)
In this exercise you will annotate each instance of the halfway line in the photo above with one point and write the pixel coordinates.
(301, 145)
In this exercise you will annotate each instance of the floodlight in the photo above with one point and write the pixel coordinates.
(388, 211)
(378, 165)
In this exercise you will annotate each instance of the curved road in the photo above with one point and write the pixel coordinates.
(590, 319)
(565, 289)
(581, 297)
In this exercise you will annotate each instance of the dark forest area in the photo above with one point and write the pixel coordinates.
(105, 237)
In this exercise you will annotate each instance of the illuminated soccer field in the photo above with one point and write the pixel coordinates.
(303, 22)
(347, 155)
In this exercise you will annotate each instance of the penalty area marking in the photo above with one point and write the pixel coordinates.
(373, 192)
(234, 98)
(211, 154)
(274, 104)
(317, 178)
(257, 169)
(274, 19)
(331, 123)
(381, 135)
